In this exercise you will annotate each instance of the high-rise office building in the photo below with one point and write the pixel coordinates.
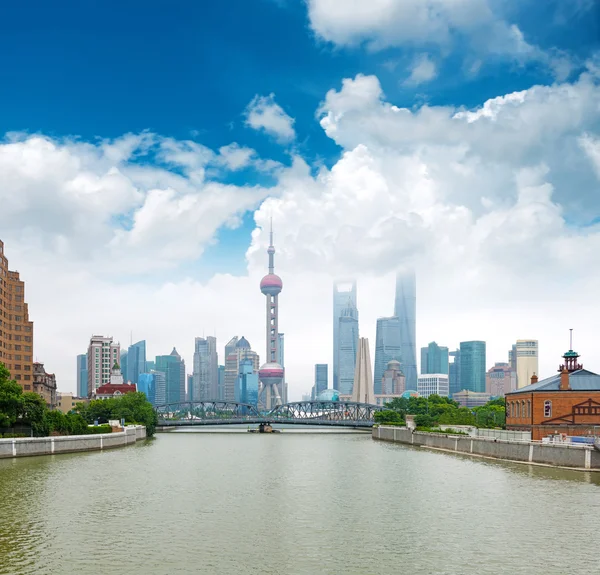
(123, 365)
(160, 387)
(102, 355)
(82, 376)
(247, 383)
(472, 366)
(236, 350)
(393, 382)
(174, 369)
(136, 362)
(500, 380)
(347, 335)
(405, 309)
(205, 375)
(434, 359)
(527, 361)
(387, 347)
(150, 365)
(189, 395)
(343, 292)
(147, 384)
(512, 357)
(454, 372)
(16, 331)
(320, 378)
(221, 382)
(433, 384)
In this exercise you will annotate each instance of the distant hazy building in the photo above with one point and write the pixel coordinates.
(405, 309)
(527, 361)
(500, 380)
(320, 378)
(433, 383)
(205, 375)
(512, 357)
(347, 347)
(387, 347)
(247, 383)
(123, 365)
(236, 350)
(147, 384)
(82, 375)
(472, 366)
(189, 394)
(150, 365)
(136, 362)
(221, 382)
(362, 390)
(454, 372)
(343, 293)
(470, 399)
(393, 380)
(101, 356)
(434, 359)
(160, 387)
(174, 369)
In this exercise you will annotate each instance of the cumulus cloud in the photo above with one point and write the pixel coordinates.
(423, 70)
(384, 23)
(485, 204)
(264, 114)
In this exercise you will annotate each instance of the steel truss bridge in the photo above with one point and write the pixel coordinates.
(325, 413)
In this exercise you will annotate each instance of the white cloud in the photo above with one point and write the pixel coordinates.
(483, 202)
(383, 23)
(236, 157)
(263, 113)
(591, 146)
(423, 70)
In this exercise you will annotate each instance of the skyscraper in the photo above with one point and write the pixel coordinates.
(405, 310)
(472, 366)
(320, 378)
(236, 350)
(205, 373)
(362, 390)
(527, 360)
(454, 372)
(136, 362)
(221, 382)
(160, 387)
(147, 384)
(271, 374)
(123, 365)
(174, 369)
(434, 359)
(387, 347)
(16, 333)
(433, 383)
(347, 347)
(342, 293)
(82, 375)
(247, 383)
(102, 354)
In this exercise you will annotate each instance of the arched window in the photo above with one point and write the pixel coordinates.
(518, 410)
(529, 408)
(547, 408)
(508, 409)
(523, 412)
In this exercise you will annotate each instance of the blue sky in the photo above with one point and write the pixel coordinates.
(506, 191)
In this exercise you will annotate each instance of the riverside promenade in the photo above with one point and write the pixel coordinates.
(579, 457)
(30, 446)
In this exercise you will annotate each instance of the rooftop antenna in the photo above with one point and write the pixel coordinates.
(571, 338)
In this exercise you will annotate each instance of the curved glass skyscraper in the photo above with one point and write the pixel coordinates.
(387, 347)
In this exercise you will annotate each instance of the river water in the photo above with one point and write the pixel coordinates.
(292, 504)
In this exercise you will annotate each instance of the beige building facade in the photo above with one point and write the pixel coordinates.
(527, 361)
(102, 355)
(16, 331)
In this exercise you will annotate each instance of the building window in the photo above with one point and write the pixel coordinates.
(547, 408)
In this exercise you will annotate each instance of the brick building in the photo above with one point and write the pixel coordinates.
(16, 331)
(568, 403)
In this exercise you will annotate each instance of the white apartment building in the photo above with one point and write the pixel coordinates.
(527, 361)
(433, 383)
(102, 355)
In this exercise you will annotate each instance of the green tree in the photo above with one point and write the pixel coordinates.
(388, 416)
(10, 398)
(33, 410)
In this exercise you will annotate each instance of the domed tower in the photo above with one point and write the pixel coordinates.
(271, 373)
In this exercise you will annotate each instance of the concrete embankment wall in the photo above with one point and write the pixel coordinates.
(25, 446)
(576, 457)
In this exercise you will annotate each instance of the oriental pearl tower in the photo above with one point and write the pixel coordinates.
(271, 373)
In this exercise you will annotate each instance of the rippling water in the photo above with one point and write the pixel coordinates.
(292, 504)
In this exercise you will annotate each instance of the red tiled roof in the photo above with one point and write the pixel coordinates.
(111, 388)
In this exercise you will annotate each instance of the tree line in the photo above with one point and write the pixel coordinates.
(437, 410)
(19, 409)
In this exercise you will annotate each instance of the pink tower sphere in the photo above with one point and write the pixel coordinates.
(271, 284)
